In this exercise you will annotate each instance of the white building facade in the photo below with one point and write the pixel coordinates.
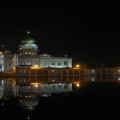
(28, 55)
(6, 61)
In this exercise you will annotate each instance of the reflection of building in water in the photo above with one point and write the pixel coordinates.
(1, 89)
(28, 99)
(28, 95)
(43, 89)
(47, 89)
(6, 89)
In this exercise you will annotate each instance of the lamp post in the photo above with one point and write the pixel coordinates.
(77, 66)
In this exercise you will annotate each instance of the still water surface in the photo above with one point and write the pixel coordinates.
(58, 98)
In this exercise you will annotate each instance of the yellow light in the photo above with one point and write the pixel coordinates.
(14, 68)
(77, 85)
(36, 85)
(35, 67)
(77, 66)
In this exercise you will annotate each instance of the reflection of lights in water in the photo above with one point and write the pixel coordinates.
(2, 105)
(77, 66)
(53, 80)
(36, 85)
(45, 95)
(35, 67)
(77, 84)
(28, 108)
(28, 117)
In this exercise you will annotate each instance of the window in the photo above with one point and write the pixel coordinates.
(59, 64)
(65, 63)
(53, 63)
(65, 86)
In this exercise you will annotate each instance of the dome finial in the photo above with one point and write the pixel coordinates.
(28, 32)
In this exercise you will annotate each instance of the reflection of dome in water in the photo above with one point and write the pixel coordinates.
(28, 41)
(29, 103)
(29, 100)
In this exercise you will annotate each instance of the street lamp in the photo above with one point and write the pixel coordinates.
(77, 66)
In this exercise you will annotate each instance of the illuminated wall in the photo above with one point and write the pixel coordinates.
(6, 62)
(28, 55)
(28, 50)
(55, 62)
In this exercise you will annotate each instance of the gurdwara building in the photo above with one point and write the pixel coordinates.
(28, 55)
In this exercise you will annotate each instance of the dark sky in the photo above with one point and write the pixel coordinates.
(89, 32)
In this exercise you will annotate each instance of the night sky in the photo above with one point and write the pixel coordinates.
(89, 32)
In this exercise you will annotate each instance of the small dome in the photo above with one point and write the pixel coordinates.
(28, 41)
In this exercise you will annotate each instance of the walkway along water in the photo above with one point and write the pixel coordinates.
(28, 71)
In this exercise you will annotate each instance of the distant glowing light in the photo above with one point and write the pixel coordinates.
(78, 85)
(45, 95)
(77, 66)
(53, 80)
(36, 86)
(28, 117)
(28, 32)
(60, 83)
(35, 67)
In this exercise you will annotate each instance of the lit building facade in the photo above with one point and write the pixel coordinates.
(6, 60)
(28, 56)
